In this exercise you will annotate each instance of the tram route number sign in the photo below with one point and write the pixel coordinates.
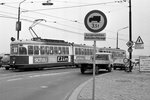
(62, 59)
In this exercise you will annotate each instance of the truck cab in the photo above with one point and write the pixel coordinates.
(102, 61)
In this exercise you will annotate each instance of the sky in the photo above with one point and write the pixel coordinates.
(64, 20)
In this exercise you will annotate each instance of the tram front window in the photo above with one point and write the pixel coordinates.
(14, 49)
(22, 50)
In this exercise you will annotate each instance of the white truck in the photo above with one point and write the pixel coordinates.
(102, 61)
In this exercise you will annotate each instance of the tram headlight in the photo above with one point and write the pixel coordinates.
(13, 62)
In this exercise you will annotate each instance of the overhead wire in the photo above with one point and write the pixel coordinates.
(6, 16)
(67, 19)
(77, 6)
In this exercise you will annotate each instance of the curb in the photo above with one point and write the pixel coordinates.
(76, 92)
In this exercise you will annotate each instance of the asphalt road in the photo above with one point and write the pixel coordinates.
(54, 84)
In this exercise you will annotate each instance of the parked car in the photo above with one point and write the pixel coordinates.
(1, 61)
(6, 61)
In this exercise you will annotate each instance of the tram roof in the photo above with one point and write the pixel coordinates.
(41, 42)
(82, 45)
(104, 48)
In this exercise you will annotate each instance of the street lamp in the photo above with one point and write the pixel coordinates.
(117, 36)
(48, 3)
(18, 23)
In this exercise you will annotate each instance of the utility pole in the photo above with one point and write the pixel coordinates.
(130, 35)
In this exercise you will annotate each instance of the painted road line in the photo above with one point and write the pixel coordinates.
(15, 79)
(49, 74)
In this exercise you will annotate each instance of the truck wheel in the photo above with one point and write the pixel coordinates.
(109, 68)
(114, 68)
(7, 68)
(82, 70)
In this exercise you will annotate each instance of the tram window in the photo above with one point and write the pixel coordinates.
(59, 50)
(76, 51)
(42, 49)
(55, 50)
(22, 50)
(67, 50)
(14, 50)
(92, 51)
(80, 51)
(51, 50)
(63, 50)
(84, 51)
(30, 50)
(87, 51)
(47, 50)
(36, 50)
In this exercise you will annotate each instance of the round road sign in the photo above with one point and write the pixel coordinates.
(130, 50)
(95, 21)
(125, 60)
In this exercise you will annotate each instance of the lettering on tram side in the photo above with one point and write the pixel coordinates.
(40, 59)
(62, 59)
(80, 59)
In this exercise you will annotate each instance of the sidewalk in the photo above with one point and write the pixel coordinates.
(116, 85)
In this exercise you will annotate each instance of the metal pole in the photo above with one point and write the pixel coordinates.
(18, 22)
(94, 53)
(117, 41)
(130, 35)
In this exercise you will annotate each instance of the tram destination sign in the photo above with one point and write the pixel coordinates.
(95, 36)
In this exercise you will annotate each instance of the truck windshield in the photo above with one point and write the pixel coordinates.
(102, 57)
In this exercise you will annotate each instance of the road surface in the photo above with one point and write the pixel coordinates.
(54, 84)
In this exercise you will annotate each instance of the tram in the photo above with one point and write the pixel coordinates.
(40, 53)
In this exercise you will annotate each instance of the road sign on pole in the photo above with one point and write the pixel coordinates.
(139, 41)
(95, 21)
(95, 36)
(139, 44)
(129, 43)
(130, 50)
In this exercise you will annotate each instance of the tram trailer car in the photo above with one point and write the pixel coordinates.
(40, 53)
(82, 54)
